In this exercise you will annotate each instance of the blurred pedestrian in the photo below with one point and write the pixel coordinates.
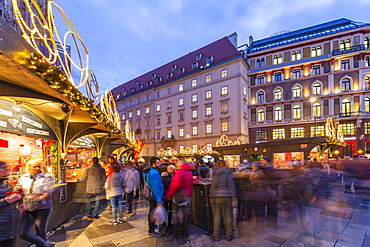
(221, 195)
(167, 203)
(34, 184)
(9, 215)
(114, 186)
(132, 178)
(95, 178)
(203, 169)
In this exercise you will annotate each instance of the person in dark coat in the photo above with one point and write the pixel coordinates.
(203, 169)
(221, 195)
(95, 178)
(167, 203)
(9, 214)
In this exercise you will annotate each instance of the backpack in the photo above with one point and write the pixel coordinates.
(147, 191)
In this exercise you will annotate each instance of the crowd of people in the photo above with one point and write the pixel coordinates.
(254, 189)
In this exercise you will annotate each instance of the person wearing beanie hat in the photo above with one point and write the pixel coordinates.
(266, 158)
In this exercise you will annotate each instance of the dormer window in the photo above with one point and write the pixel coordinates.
(182, 71)
(194, 65)
(199, 56)
(123, 89)
(154, 75)
(150, 83)
(141, 86)
(118, 96)
(209, 59)
(169, 75)
(159, 79)
(132, 90)
(174, 66)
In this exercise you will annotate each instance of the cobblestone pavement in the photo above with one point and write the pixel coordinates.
(342, 220)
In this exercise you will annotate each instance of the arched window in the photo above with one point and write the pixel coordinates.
(262, 62)
(316, 88)
(366, 43)
(346, 84)
(319, 51)
(316, 109)
(278, 94)
(348, 44)
(278, 113)
(260, 96)
(367, 104)
(280, 58)
(275, 59)
(346, 107)
(313, 52)
(367, 82)
(342, 47)
(299, 55)
(297, 91)
(258, 63)
(294, 56)
(261, 115)
(296, 111)
(367, 61)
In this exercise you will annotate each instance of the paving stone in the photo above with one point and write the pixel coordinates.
(107, 229)
(106, 244)
(265, 243)
(342, 243)
(336, 214)
(340, 237)
(136, 240)
(361, 220)
(354, 232)
(275, 239)
(106, 238)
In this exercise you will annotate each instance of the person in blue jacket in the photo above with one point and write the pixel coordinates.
(153, 179)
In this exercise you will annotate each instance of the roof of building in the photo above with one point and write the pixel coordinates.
(322, 29)
(218, 51)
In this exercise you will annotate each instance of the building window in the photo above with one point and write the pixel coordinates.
(194, 98)
(169, 75)
(367, 104)
(260, 96)
(278, 94)
(367, 128)
(158, 120)
(223, 73)
(316, 109)
(297, 91)
(208, 111)
(181, 87)
(168, 91)
(341, 45)
(147, 123)
(138, 113)
(348, 44)
(367, 61)
(194, 83)
(261, 135)
(158, 95)
(169, 134)
(319, 51)
(224, 126)
(181, 71)
(209, 59)
(224, 107)
(209, 94)
(296, 111)
(147, 97)
(348, 128)
(158, 107)
(277, 76)
(346, 108)
(244, 91)
(169, 119)
(296, 55)
(130, 114)
(181, 149)
(194, 113)
(181, 101)
(123, 117)
(181, 116)
(317, 131)
(313, 52)
(316, 88)
(345, 64)
(258, 63)
(316, 70)
(147, 110)
(297, 132)
(158, 135)
(278, 134)
(169, 105)
(208, 78)
(181, 132)
(195, 148)
(296, 73)
(278, 59)
(224, 90)
(260, 80)
(346, 84)
(195, 130)
(138, 100)
(366, 43)
(208, 128)
(278, 113)
(261, 115)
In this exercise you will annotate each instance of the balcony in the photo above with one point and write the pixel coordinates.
(351, 49)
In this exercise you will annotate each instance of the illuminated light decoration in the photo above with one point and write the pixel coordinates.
(42, 32)
(224, 141)
(92, 87)
(189, 152)
(169, 152)
(108, 106)
(130, 136)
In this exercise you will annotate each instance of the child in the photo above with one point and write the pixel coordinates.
(115, 186)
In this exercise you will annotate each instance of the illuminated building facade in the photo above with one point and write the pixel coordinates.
(298, 79)
(188, 103)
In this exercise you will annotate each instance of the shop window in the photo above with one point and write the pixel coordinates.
(348, 128)
(278, 113)
(316, 88)
(367, 128)
(346, 108)
(261, 135)
(297, 91)
(297, 132)
(317, 131)
(296, 111)
(278, 134)
(261, 115)
(345, 84)
(278, 94)
(261, 96)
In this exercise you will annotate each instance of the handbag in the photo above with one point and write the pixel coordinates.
(147, 191)
(179, 196)
(33, 202)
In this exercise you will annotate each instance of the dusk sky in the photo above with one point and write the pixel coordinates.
(127, 38)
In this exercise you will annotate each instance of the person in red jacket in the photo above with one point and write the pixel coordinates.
(180, 190)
